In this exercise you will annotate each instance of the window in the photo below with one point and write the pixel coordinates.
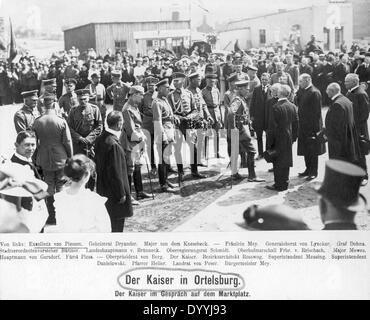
(338, 37)
(175, 16)
(149, 43)
(120, 45)
(326, 38)
(262, 36)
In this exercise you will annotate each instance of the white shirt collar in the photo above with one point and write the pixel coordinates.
(114, 132)
(282, 99)
(309, 86)
(22, 157)
(334, 97)
(354, 88)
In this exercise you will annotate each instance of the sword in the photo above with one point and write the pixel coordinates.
(147, 167)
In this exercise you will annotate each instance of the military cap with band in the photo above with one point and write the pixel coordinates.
(50, 97)
(116, 74)
(193, 75)
(253, 68)
(30, 94)
(342, 183)
(178, 75)
(49, 82)
(211, 76)
(151, 80)
(83, 92)
(71, 80)
(162, 82)
(136, 89)
(242, 83)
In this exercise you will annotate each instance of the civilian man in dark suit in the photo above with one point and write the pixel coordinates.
(360, 103)
(340, 199)
(309, 104)
(111, 168)
(340, 127)
(363, 71)
(283, 130)
(341, 70)
(54, 148)
(261, 94)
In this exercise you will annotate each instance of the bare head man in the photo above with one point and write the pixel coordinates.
(305, 80)
(351, 81)
(333, 89)
(284, 91)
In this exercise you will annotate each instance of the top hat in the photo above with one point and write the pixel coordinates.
(341, 185)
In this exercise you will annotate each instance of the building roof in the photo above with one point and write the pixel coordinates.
(119, 22)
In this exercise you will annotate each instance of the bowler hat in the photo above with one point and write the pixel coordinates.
(342, 183)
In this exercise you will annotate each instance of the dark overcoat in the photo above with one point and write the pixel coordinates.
(282, 132)
(112, 177)
(309, 104)
(258, 110)
(341, 131)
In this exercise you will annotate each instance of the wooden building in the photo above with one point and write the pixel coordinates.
(136, 37)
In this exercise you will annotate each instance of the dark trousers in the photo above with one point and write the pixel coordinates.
(163, 169)
(362, 163)
(117, 224)
(136, 177)
(312, 164)
(259, 134)
(152, 160)
(281, 177)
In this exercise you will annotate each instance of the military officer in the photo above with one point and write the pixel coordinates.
(239, 70)
(204, 117)
(132, 127)
(68, 100)
(211, 96)
(163, 133)
(97, 90)
(228, 98)
(50, 88)
(85, 123)
(118, 91)
(25, 117)
(241, 119)
(183, 107)
(146, 111)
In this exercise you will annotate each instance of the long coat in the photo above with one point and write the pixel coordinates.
(361, 108)
(112, 177)
(283, 129)
(258, 108)
(309, 104)
(341, 131)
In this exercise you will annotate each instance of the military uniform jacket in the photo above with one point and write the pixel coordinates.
(84, 122)
(25, 118)
(309, 104)
(361, 107)
(54, 142)
(163, 118)
(118, 93)
(282, 131)
(147, 112)
(213, 101)
(200, 104)
(228, 98)
(341, 131)
(239, 117)
(132, 125)
(67, 102)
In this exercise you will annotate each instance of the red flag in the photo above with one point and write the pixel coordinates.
(13, 46)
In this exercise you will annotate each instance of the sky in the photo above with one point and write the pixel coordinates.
(53, 15)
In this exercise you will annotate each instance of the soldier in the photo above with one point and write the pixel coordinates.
(86, 125)
(241, 120)
(228, 98)
(204, 117)
(118, 91)
(211, 96)
(25, 117)
(292, 69)
(97, 90)
(54, 148)
(50, 88)
(163, 126)
(146, 111)
(183, 107)
(68, 100)
(254, 81)
(360, 102)
(132, 127)
(239, 71)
